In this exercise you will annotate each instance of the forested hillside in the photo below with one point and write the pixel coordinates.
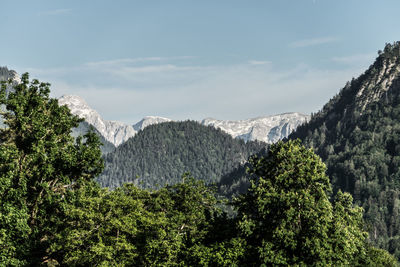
(357, 134)
(160, 154)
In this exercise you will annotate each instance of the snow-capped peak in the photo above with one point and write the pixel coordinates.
(113, 131)
(149, 120)
(269, 129)
(6, 74)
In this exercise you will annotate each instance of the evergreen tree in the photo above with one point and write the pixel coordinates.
(159, 154)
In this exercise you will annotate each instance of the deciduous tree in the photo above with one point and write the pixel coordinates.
(39, 164)
(287, 217)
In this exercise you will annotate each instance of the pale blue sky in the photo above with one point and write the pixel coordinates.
(195, 59)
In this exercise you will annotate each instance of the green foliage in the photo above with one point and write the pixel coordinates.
(159, 154)
(357, 136)
(53, 213)
(39, 163)
(379, 257)
(135, 227)
(103, 228)
(346, 234)
(287, 218)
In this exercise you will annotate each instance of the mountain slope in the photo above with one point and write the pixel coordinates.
(357, 134)
(6, 74)
(113, 131)
(149, 120)
(269, 129)
(160, 154)
(84, 127)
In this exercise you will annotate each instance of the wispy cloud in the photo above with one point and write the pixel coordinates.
(148, 69)
(55, 12)
(355, 59)
(258, 62)
(125, 61)
(129, 91)
(313, 42)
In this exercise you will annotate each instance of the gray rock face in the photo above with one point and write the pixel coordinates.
(379, 82)
(113, 131)
(268, 129)
(84, 127)
(149, 120)
(6, 74)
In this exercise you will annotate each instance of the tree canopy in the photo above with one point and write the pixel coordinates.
(287, 218)
(39, 163)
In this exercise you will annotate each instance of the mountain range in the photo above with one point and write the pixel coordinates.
(268, 129)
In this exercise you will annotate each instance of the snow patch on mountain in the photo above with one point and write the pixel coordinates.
(149, 120)
(113, 131)
(6, 74)
(269, 129)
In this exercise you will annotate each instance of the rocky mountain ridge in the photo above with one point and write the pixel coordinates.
(113, 131)
(149, 120)
(268, 129)
(6, 74)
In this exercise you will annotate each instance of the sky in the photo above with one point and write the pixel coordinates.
(186, 59)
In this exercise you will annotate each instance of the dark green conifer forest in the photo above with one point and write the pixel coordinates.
(159, 154)
(53, 213)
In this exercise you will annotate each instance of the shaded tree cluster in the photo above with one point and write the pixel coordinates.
(159, 154)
